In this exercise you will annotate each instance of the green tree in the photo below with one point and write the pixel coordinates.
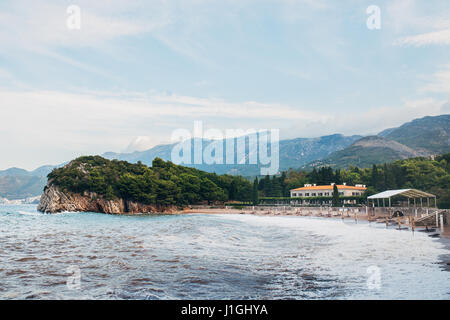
(337, 177)
(375, 178)
(335, 199)
(255, 197)
(232, 193)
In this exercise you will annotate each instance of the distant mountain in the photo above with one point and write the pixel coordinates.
(298, 152)
(43, 171)
(293, 153)
(421, 137)
(367, 151)
(428, 134)
(16, 183)
(39, 172)
(14, 172)
(21, 186)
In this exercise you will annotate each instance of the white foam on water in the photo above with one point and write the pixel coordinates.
(409, 262)
(30, 213)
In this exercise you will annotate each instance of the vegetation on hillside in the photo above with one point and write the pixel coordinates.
(164, 183)
(420, 173)
(359, 156)
(430, 133)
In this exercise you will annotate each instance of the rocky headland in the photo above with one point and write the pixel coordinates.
(55, 200)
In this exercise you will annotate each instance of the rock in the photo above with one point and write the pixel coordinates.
(55, 200)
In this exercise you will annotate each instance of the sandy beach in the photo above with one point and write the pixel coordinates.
(357, 214)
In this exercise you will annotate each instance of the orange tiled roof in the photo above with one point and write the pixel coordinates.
(339, 186)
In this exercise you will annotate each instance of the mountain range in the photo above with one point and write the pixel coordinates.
(293, 153)
(16, 183)
(421, 137)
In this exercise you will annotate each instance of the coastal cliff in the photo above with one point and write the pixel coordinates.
(54, 200)
(95, 184)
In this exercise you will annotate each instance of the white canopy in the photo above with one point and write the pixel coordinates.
(409, 193)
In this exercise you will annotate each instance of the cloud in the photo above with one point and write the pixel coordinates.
(441, 37)
(141, 143)
(40, 27)
(417, 23)
(375, 119)
(50, 126)
(44, 24)
(439, 82)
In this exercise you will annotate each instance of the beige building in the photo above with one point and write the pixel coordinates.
(310, 190)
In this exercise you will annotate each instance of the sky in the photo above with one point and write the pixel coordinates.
(135, 71)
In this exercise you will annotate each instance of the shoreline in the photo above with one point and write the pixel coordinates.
(304, 212)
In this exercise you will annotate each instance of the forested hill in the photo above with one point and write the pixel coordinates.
(163, 184)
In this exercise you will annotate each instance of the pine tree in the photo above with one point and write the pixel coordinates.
(267, 184)
(374, 178)
(389, 178)
(337, 177)
(275, 187)
(232, 193)
(255, 196)
(284, 187)
(314, 176)
(335, 200)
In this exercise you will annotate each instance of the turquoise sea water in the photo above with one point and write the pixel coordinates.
(212, 257)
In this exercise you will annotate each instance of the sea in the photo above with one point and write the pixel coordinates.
(214, 256)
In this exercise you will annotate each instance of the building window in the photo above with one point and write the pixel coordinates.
(306, 194)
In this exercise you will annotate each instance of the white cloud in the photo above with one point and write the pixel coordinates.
(40, 27)
(375, 119)
(441, 37)
(43, 24)
(414, 24)
(438, 82)
(50, 127)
